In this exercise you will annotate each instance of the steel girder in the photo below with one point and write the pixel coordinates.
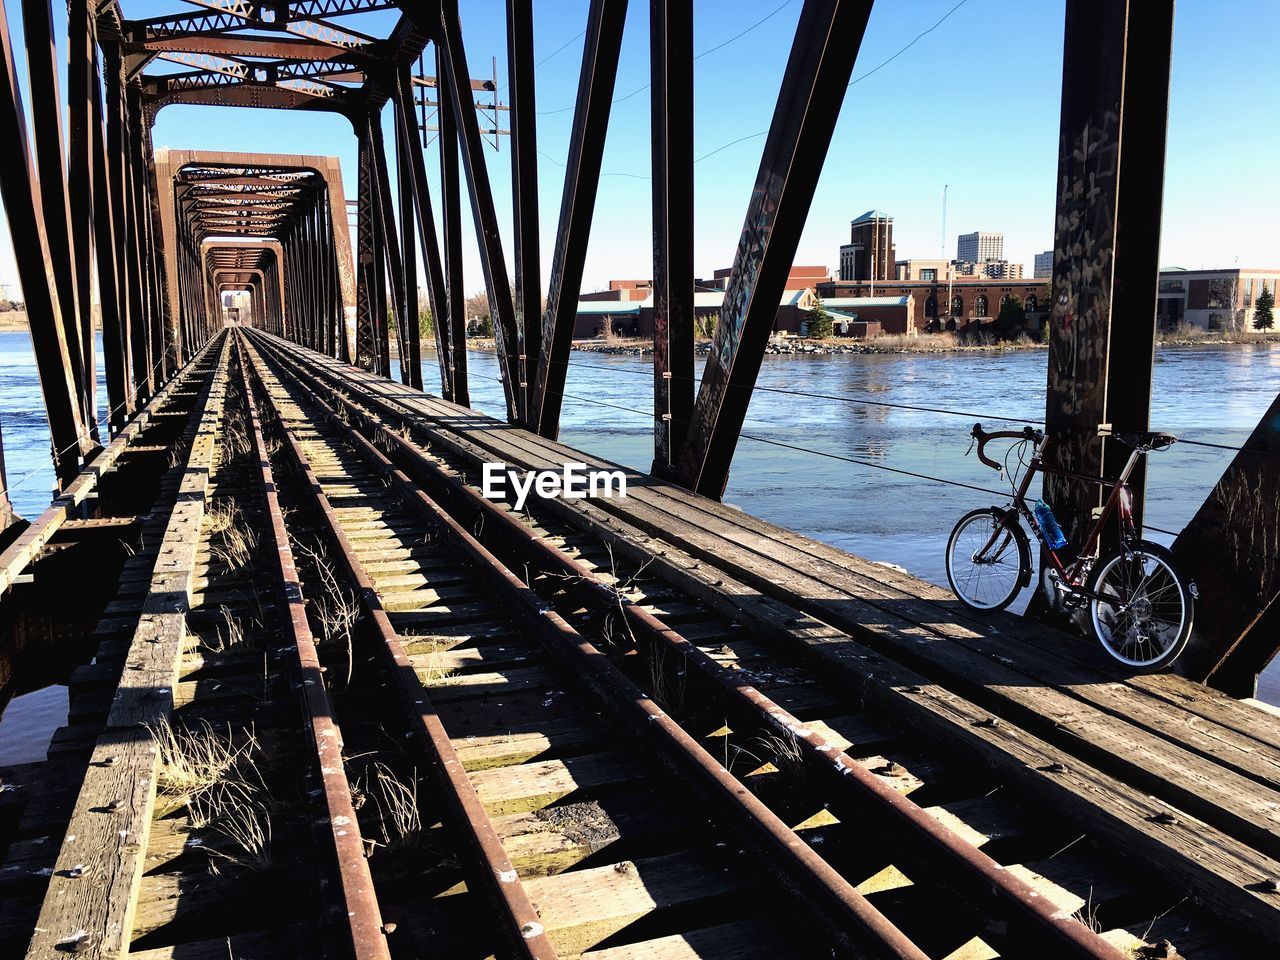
(25, 209)
(826, 44)
(582, 179)
(671, 66)
(1115, 104)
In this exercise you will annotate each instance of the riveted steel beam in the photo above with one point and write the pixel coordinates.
(826, 44)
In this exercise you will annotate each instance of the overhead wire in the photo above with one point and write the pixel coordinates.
(718, 46)
(843, 458)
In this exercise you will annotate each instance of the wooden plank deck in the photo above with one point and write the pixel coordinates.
(92, 894)
(1163, 768)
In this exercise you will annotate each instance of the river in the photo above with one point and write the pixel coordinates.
(1205, 393)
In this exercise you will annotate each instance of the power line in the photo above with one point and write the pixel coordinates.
(863, 401)
(718, 46)
(918, 37)
(751, 136)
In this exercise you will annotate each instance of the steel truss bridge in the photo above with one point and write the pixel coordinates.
(327, 700)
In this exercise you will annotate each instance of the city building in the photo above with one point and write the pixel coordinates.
(634, 318)
(991, 269)
(870, 253)
(973, 300)
(980, 245)
(1044, 265)
(1212, 299)
(921, 270)
(798, 278)
(624, 291)
(866, 317)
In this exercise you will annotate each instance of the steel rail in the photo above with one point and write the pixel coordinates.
(356, 901)
(20, 554)
(859, 785)
(788, 856)
(492, 869)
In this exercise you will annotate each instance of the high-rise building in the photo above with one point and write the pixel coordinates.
(980, 245)
(870, 253)
(1044, 265)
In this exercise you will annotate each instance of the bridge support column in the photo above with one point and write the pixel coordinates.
(671, 66)
(1115, 95)
(451, 220)
(581, 182)
(413, 179)
(455, 97)
(524, 189)
(24, 207)
(822, 55)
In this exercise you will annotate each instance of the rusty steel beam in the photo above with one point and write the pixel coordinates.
(1229, 550)
(390, 242)
(272, 48)
(81, 81)
(49, 154)
(451, 222)
(413, 171)
(671, 67)
(581, 181)
(120, 398)
(24, 208)
(822, 56)
(524, 185)
(456, 73)
(1115, 95)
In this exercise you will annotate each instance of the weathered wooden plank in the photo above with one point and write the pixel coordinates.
(1190, 854)
(530, 786)
(92, 895)
(851, 601)
(19, 554)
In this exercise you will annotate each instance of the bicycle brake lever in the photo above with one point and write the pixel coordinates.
(970, 450)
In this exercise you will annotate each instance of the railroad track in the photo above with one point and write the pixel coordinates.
(209, 816)
(345, 706)
(799, 706)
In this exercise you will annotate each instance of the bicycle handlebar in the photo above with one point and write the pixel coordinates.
(982, 436)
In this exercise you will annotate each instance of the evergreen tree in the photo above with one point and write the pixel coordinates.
(820, 325)
(426, 327)
(1262, 310)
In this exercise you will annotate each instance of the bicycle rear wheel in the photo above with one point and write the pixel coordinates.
(1145, 621)
(988, 559)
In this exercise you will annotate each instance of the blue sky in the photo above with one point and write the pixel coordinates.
(973, 105)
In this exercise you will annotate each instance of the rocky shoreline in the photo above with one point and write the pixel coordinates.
(925, 343)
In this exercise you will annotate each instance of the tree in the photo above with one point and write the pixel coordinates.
(820, 325)
(426, 327)
(477, 305)
(484, 327)
(1262, 310)
(1012, 319)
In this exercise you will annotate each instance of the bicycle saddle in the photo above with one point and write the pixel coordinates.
(1150, 440)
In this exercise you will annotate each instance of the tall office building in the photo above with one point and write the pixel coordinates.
(979, 246)
(1044, 265)
(870, 253)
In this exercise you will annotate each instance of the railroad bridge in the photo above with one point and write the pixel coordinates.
(328, 700)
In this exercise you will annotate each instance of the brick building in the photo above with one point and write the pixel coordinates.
(870, 253)
(972, 300)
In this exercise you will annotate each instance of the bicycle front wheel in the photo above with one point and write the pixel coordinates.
(988, 559)
(1144, 620)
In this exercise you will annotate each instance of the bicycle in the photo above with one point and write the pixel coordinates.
(1140, 608)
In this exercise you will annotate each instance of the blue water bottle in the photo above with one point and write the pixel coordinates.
(1049, 528)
